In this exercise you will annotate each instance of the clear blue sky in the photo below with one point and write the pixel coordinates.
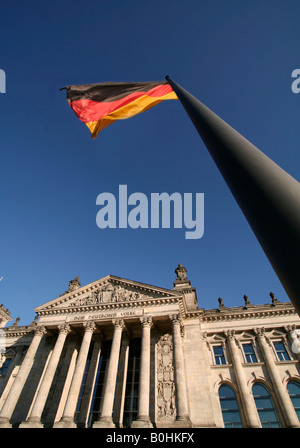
(235, 56)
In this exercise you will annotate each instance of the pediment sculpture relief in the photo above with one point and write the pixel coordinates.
(108, 294)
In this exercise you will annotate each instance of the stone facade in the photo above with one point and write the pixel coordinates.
(119, 353)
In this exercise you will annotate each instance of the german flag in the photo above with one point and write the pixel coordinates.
(99, 105)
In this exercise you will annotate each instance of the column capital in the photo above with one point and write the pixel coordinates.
(230, 335)
(64, 328)
(259, 332)
(262, 336)
(40, 330)
(146, 321)
(89, 326)
(289, 328)
(175, 319)
(118, 323)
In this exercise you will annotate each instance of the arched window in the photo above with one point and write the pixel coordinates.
(294, 393)
(264, 404)
(229, 406)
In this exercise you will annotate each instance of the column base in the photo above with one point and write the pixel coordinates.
(182, 422)
(104, 422)
(34, 423)
(294, 425)
(142, 422)
(4, 423)
(65, 423)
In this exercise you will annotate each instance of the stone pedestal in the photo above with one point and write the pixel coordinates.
(104, 422)
(31, 424)
(65, 423)
(142, 422)
(4, 423)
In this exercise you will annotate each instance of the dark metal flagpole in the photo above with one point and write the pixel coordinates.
(268, 196)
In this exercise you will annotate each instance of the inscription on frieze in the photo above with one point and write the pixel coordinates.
(104, 315)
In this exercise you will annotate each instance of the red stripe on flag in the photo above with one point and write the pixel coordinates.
(89, 110)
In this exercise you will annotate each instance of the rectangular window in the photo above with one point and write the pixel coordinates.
(249, 353)
(219, 355)
(281, 351)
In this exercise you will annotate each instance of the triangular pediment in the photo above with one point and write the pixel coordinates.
(107, 291)
(276, 333)
(217, 339)
(246, 336)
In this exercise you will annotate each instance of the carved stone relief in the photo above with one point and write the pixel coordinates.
(109, 293)
(166, 409)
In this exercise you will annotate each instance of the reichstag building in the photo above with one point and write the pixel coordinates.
(118, 353)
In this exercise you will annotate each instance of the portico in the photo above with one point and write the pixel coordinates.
(113, 328)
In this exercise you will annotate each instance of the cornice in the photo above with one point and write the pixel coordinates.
(141, 303)
(242, 313)
(253, 312)
(17, 331)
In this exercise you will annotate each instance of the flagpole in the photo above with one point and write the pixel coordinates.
(267, 195)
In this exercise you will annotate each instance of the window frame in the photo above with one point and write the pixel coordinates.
(254, 353)
(277, 353)
(297, 408)
(238, 410)
(219, 356)
(274, 407)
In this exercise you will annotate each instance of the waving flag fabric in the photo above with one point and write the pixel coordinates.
(99, 105)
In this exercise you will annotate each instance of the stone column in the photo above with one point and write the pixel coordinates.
(67, 420)
(17, 387)
(90, 382)
(143, 419)
(182, 416)
(105, 420)
(6, 387)
(121, 379)
(250, 412)
(282, 395)
(34, 419)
